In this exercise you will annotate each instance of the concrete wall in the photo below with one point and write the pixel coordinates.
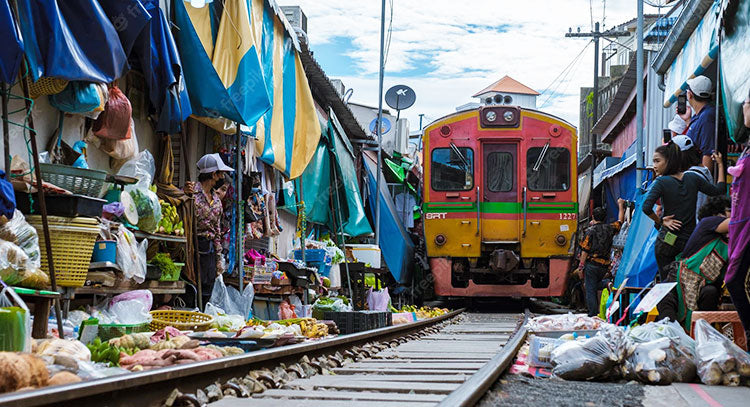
(366, 114)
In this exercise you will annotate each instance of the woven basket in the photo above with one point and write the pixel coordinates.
(79, 181)
(72, 244)
(45, 86)
(182, 320)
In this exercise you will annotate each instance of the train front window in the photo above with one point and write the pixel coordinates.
(548, 168)
(452, 169)
(500, 172)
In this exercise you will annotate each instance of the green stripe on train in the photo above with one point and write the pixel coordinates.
(501, 207)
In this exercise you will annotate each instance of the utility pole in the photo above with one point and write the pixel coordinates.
(379, 125)
(596, 35)
(639, 96)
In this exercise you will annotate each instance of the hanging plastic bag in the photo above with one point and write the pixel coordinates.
(378, 300)
(131, 256)
(231, 300)
(148, 207)
(658, 362)
(142, 167)
(77, 97)
(114, 121)
(122, 149)
(15, 323)
(719, 360)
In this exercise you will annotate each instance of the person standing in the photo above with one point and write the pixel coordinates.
(596, 250)
(701, 125)
(692, 162)
(678, 193)
(208, 213)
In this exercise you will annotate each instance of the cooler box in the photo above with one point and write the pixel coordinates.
(366, 253)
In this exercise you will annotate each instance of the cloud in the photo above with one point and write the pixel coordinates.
(463, 47)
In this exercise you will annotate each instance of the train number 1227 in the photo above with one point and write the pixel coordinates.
(567, 216)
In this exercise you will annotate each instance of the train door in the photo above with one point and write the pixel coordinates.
(500, 201)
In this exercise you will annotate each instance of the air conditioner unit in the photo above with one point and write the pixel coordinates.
(401, 142)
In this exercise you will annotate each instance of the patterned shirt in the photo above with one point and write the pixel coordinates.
(598, 242)
(208, 215)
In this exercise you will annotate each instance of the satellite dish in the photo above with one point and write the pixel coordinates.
(400, 97)
(385, 128)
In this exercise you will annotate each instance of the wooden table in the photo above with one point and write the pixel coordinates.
(42, 301)
(123, 286)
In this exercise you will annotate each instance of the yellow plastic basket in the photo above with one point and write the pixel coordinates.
(45, 86)
(182, 320)
(72, 242)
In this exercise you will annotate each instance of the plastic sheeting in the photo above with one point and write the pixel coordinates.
(11, 52)
(638, 263)
(735, 61)
(316, 184)
(129, 17)
(72, 40)
(395, 244)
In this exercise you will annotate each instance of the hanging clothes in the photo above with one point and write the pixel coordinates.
(72, 40)
(404, 203)
(11, 52)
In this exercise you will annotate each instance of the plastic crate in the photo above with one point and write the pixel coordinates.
(313, 255)
(540, 350)
(80, 181)
(62, 205)
(359, 321)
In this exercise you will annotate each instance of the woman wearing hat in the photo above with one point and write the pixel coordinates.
(208, 213)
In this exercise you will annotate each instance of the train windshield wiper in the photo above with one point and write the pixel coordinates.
(538, 162)
(460, 155)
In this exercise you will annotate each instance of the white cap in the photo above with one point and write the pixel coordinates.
(211, 163)
(700, 86)
(684, 142)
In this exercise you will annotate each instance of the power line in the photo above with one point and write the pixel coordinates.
(563, 72)
(570, 69)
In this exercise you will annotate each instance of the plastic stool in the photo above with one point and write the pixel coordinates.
(722, 317)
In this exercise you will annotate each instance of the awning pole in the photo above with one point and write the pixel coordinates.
(42, 202)
(341, 229)
(6, 132)
(639, 95)
(239, 234)
(379, 124)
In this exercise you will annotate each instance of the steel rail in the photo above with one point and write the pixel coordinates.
(474, 388)
(154, 386)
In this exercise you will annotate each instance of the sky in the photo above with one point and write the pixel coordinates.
(447, 50)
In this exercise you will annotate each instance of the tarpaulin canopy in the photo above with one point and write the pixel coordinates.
(700, 50)
(735, 80)
(72, 40)
(638, 263)
(395, 243)
(11, 52)
(288, 134)
(129, 17)
(157, 55)
(220, 61)
(316, 187)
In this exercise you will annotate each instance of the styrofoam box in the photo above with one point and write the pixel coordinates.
(366, 253)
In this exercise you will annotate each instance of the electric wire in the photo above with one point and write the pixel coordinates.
(563, 76)
(573, 61)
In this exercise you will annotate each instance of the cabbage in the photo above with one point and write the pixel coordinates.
(149, 209)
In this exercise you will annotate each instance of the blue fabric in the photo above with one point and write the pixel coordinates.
(622, 186)
(638, 262)
(77, 97)
(702, 129)
(7, 197)
(395, 243)
(158, 59)
(129, 17)
(11, 53)
(71, 39)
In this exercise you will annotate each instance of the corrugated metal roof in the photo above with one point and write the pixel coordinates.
(691, 15)
(508, 85)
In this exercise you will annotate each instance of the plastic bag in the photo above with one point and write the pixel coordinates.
(660, 361)
(564, 322)
(130, 312)
(584, 360)
(143, 296)
(149, 209)
(124, 149)
(231, 300)
(719, 360)
(114, 121)
(222, 320)
(15, 323)
(77, 97)
(142, 167)
(131, 256)
(663, 329)
(378, 300)
(25, 236)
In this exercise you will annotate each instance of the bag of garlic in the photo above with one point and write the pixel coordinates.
(719, 360)
(660, 361)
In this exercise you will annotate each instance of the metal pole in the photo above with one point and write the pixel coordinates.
(239, 238)
(6, 131)
(341, 229)
(595, 112)
(639, 96)
(42, 203)
(379, 124)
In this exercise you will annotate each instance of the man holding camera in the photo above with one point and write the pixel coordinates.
(698, 117)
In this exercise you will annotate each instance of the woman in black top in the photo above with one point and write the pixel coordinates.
(678, 192)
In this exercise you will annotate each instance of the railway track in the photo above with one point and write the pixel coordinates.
(451, 360)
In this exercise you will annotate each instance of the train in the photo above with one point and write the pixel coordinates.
(499, 202)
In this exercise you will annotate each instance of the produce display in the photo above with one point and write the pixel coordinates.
(719, 360)
(169, 271)
(149, 209)
(566, 322)
(170, 222)
(423, 312)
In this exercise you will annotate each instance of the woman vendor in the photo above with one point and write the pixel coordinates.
(208, 213)
(700, 272)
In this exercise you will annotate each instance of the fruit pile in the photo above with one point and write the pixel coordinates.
(424, 312)
(170, 222)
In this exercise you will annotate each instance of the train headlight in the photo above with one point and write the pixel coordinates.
(560, 240)
(508, 116)
(440, 240)
(490, 116)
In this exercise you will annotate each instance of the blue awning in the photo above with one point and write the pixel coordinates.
(11, 52)
(628, 158)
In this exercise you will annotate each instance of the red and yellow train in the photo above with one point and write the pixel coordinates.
(500, 202)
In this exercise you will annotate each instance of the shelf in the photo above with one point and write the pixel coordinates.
(156, 287)
(139, 234)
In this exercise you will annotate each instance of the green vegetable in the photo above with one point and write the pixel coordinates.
(149, 209)
(169, 272)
